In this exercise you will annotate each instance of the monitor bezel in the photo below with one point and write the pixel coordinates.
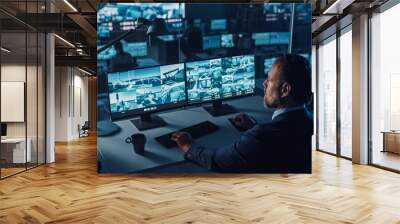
(197, 103)
(116, 116)
(141, 56)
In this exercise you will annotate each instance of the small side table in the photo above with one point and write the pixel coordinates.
(15, 150)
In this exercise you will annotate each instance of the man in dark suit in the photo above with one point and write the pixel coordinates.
(282, 145)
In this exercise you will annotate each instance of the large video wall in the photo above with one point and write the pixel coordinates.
(172, 33)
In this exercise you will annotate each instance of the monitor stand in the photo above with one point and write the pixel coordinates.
(219, 109)
(146, 122)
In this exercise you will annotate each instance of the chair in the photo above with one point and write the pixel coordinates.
(84, 130)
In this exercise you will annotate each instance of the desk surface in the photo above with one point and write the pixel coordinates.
(118, 156)
(390, 132)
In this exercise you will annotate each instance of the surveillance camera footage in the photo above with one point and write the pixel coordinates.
(146, 89)
(270, 38)
(227, 40)
(204, 80)
(220, 78)
(238, 76)
(268, 65)
(172, 84)
(114, 16)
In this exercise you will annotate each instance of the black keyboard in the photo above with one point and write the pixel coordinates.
(196, 131)
(240, 128)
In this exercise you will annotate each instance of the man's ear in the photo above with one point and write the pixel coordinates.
(286, 89)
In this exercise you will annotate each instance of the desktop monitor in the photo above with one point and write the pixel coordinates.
(261, 38)
(107, 54)
(218, 79)
(211, 42)
(114, 18)
(218, 24)
(227, 40)
(146, 90)
(268, 62)
(197, 23)
(108, 12)
(162, 10)
(3, 130)
(279, 38)
(135, 49)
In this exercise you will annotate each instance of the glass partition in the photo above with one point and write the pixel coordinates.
(327, 96)
(13, 108)
(22, 89)
(41, 97)
(385, 89)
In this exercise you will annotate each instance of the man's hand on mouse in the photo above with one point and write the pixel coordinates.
(183, 139)
(243, 120)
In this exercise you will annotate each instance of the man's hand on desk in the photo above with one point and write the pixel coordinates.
(183, 139)
(243, 120)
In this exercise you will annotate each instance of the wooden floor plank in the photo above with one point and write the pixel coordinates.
(71, 191)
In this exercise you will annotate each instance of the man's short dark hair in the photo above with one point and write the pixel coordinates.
(296, 70)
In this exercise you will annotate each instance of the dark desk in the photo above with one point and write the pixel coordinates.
(118, 156)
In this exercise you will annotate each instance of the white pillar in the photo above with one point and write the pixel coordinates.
(360, 90)
(50, 92)
(50, 99)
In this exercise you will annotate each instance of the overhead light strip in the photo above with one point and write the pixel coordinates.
(70, 5)
(86, 72)
(65, 41)
(5, 50)
(326, 11)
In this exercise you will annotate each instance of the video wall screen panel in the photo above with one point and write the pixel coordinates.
(144, 90)
(220, 78)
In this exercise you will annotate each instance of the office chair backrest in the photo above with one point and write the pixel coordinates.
(86, 125)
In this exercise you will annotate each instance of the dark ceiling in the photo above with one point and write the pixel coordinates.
(79, 27)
